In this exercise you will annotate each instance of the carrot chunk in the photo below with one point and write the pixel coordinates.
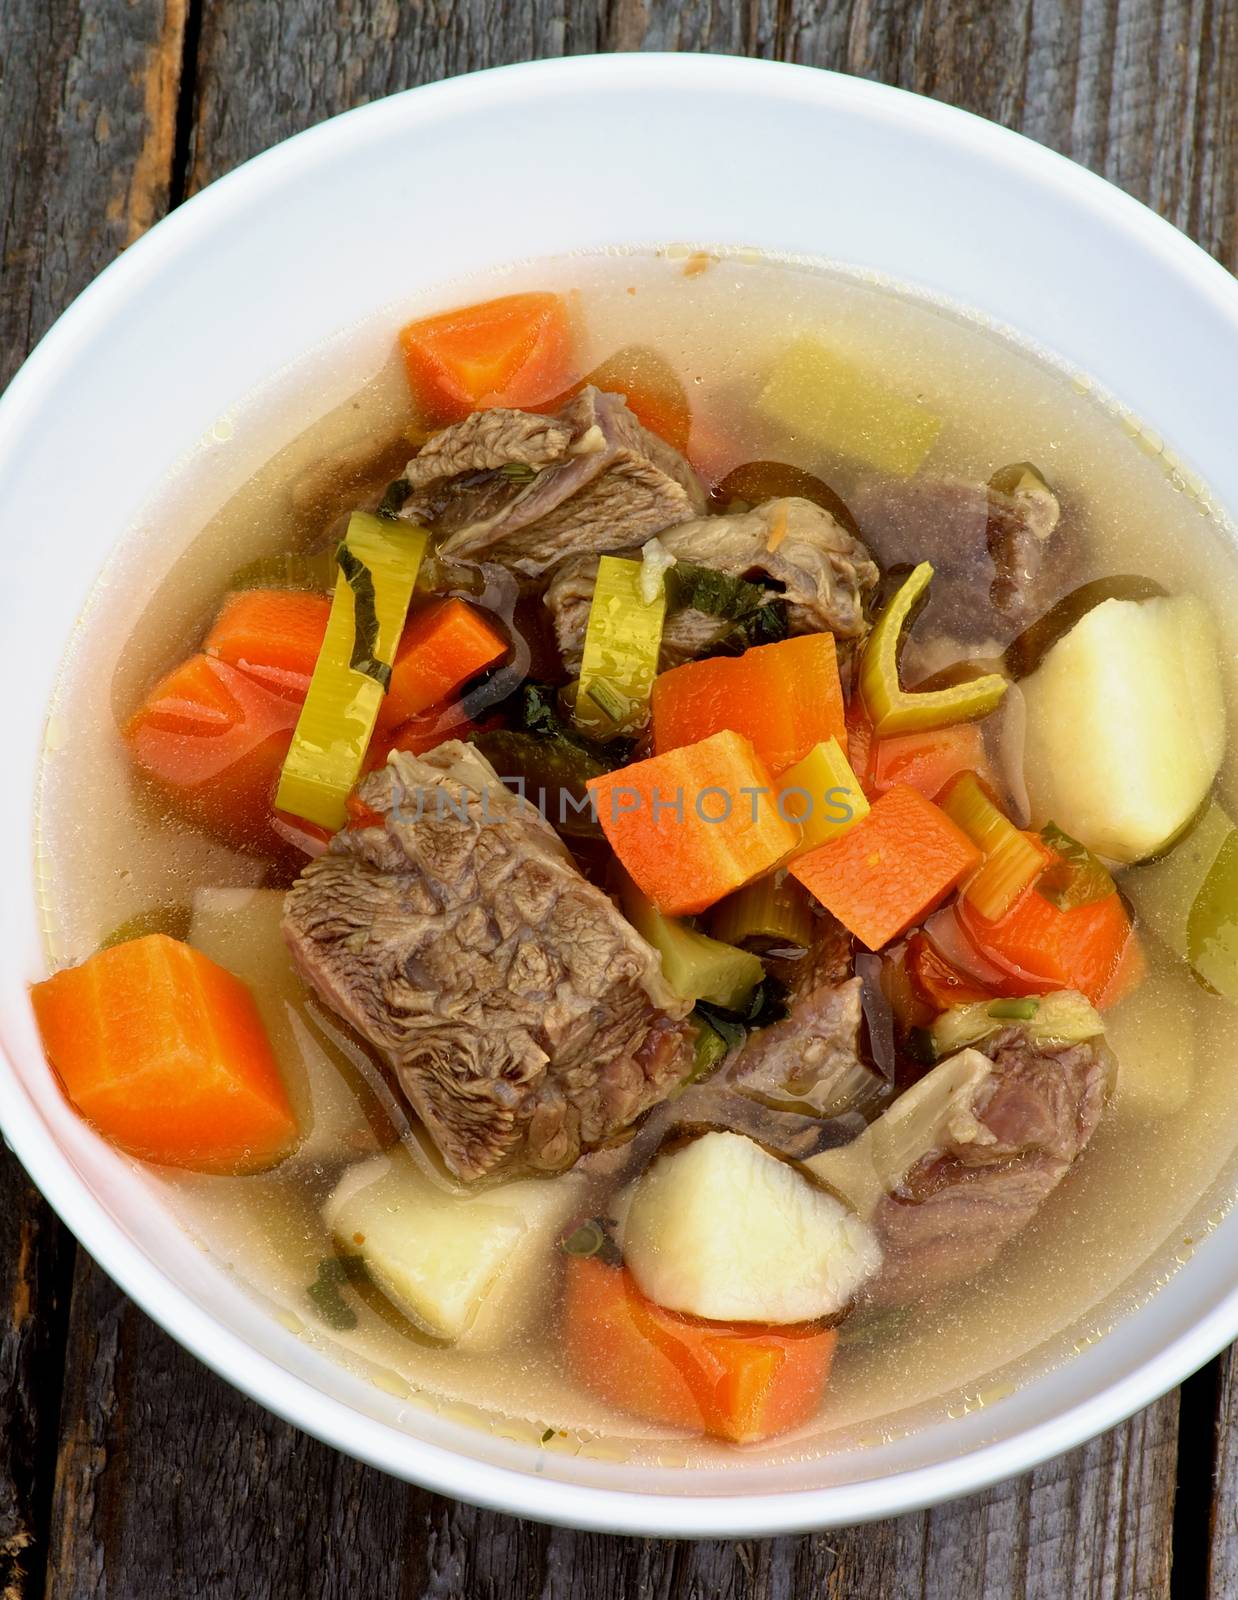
(213, 739)
(444, 644)
(515, 351)
(784, 697)
(272, 634)
(1092, 948)
(742, 1382)
(694, 824)
(925, 761)
(890, 869)
(164, 1053)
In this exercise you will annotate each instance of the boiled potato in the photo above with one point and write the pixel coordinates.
(469, 1269)
(336, 1111)
(721, 1229)
(1126, 725)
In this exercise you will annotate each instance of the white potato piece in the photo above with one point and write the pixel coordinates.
(338, 1114)
(1152, 1034)
(1126, 725)
(721, 1229)
(467, 1268)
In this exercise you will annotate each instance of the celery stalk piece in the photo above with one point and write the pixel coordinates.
(894, 709)
(367, 617)
(696, 966)
(774, 908)
(622, 642)
(1011, 860)
(817, 394)
(822, 794)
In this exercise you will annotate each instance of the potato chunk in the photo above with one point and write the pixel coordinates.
(1126, 725)
(463, 1267)
(721, 1229)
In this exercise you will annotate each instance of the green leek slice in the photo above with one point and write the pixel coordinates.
(1060, 1018)
(894, 709)
(622, 641)
(367, 617)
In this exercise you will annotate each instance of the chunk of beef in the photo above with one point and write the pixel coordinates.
(523, 1018)
(812, 1057)
(823, 572)
(590, 478)
(999, 560)
(963, 1202)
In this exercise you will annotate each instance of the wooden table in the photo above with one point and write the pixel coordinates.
(126, 1469)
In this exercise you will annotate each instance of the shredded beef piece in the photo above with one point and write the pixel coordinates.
(524, 1019)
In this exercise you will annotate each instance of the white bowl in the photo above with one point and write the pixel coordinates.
(372, 208)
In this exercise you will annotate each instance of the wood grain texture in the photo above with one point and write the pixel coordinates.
(169, 1484)
(88, 97)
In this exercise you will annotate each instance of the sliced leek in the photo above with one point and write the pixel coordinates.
(775, 908)
(894, 709)
(367, 617)
(622, 642)
(1011, 860)
(696, 966)
(822, 794)
(1060, 1018)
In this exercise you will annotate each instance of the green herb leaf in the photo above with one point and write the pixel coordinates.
(1014, 1010)
(394, 496)
(518, 471)
(548, 1435)
(364, 657)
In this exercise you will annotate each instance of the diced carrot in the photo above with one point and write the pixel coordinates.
(694, 824)
(164, 1053)
(890, 869)
(444, 644)
(515, 351)
(939, 981)
(742, 1382)
(1040, 948)
(927, 761)
(784, 697)
(272, 634)
(213, 739)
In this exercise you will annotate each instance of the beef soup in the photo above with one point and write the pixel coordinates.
(666, 880)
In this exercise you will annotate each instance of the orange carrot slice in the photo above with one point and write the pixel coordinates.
(784, 697)
(694, 824)
(890, 869)
(739, 1382)
(515, 351)
(164, 1053)
(444, 644)
(272, 634)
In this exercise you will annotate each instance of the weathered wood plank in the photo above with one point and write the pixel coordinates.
(87, 108)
